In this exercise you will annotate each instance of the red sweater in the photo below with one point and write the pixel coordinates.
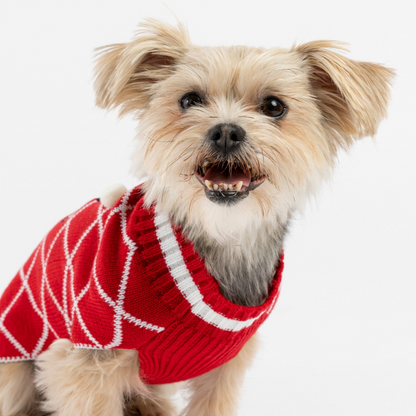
(125, 278)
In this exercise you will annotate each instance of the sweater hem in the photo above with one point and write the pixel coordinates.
(14, 359)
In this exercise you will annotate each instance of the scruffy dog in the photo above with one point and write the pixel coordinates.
(233, 140)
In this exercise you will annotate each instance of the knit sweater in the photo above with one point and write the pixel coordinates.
(125, 278)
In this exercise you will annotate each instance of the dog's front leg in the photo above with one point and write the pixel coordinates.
(216, 393)
(86, 382)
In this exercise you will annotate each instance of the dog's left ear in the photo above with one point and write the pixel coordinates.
(126, 73)
(352, 96)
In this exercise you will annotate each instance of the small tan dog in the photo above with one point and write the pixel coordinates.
(233, 140)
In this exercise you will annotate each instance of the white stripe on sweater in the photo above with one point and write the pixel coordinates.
(184, 282)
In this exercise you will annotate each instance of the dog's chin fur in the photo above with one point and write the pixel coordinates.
(330, 101)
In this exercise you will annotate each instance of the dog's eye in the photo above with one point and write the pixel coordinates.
(190, 99)
(273, 107)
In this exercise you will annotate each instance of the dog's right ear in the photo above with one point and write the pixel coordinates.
(125, 73)
(353, 96)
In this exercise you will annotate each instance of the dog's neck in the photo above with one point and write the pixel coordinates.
(245, 267)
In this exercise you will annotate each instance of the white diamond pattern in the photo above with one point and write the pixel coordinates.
(117, 305)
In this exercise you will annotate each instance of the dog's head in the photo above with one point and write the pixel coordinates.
(231, 135)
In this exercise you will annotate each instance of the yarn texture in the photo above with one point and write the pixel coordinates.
(125, 278)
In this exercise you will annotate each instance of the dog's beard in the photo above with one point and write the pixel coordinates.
(178, 188)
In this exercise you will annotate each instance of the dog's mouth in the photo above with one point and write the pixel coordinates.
(228, 183)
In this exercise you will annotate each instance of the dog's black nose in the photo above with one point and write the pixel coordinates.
(226, 136)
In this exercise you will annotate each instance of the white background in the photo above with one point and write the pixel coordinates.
(342, 338)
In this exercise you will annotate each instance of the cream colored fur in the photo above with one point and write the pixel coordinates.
(87, 382)
(112, 194)
(332, 101)
(17, 389)
(216, 393)
(159, 403)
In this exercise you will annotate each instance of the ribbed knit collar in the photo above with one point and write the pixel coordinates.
(189, 274)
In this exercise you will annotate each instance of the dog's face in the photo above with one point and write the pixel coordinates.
(232, 135)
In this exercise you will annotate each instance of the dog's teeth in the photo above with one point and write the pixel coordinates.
(223, 186)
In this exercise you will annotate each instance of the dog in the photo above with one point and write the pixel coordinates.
(233, 141)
